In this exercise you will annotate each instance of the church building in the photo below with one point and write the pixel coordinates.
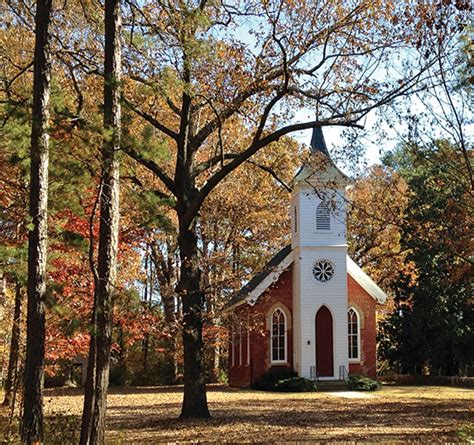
(311, 309)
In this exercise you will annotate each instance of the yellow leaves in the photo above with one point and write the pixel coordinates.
(378, 204)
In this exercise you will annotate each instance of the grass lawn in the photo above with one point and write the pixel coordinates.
(427, 414)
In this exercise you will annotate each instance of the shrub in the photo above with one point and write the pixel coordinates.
(222, 376)
(295, 384)
(283, 380)
(62, 428)
(118, 376)
(362, 383)
(271, 377)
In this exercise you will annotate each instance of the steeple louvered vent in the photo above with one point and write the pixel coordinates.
(323, 217)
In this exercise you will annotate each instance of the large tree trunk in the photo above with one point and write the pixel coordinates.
(14, 347)
(189, 287)
(32, 422)
(93, 420)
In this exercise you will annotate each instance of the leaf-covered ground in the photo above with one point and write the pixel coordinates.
(393, 414)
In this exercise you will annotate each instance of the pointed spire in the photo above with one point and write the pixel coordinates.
(318, 144)
(324, 171)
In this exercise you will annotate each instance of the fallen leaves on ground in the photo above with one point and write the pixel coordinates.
(139, 415)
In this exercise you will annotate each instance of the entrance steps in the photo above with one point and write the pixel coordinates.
(331, 385)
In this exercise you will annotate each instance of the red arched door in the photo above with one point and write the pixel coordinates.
(324, 343)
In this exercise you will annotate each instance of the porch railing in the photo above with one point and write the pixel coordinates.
(314, 375)
(343, 374)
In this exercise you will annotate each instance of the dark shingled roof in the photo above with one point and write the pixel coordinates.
(317, 142)
(257, 279)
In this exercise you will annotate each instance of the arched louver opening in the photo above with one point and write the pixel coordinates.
(323, 217)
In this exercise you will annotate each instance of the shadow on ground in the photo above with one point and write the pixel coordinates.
(141, 415)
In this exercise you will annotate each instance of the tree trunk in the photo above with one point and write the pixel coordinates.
(14, 347)
(122, 358)
(211, 350)
(93, 420)
(165, 271)
(189, 287)
(32, 421)
(170, 343)
(148, 282)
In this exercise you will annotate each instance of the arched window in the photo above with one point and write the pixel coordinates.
(353, 325)
(323, 217)
(278, 337)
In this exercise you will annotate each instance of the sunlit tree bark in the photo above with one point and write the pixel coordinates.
(93, 421)
(32, 420)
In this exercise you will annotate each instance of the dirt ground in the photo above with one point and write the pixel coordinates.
(393, 415)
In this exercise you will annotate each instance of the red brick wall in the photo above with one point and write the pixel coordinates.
(254, 319)
(366, 307)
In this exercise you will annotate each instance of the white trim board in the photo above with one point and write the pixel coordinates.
(271, 278)
(352, 269)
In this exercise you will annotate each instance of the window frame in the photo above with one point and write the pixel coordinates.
(285, 336)
(349, 335)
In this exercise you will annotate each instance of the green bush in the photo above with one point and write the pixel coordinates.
(62, 428)
(268, 380)
(283, 380)
(223, 377)
(119, 376)
(295, 384)
(362, 383)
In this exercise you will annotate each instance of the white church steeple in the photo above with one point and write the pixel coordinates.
(318, 212)
(318, 199)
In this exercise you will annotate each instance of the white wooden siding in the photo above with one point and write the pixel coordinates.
(311, 245)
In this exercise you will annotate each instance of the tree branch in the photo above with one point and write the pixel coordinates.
(251, 150)
(272, 173)
(151, 120)
(153, 167)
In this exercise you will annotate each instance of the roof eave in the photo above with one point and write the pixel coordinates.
(252, 297)
(365, 281)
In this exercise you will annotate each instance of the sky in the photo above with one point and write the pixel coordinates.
(333, 134)
(374, 149)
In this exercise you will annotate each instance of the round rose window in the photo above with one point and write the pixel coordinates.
(323, 270)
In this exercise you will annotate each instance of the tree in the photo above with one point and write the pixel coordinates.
(93, 420)
(12, 373)
(442, 110)
(236, 237)
(327, 56)
(431, 327)
(377, 208)
(13, 243)
(32, 421)
(204, 97)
